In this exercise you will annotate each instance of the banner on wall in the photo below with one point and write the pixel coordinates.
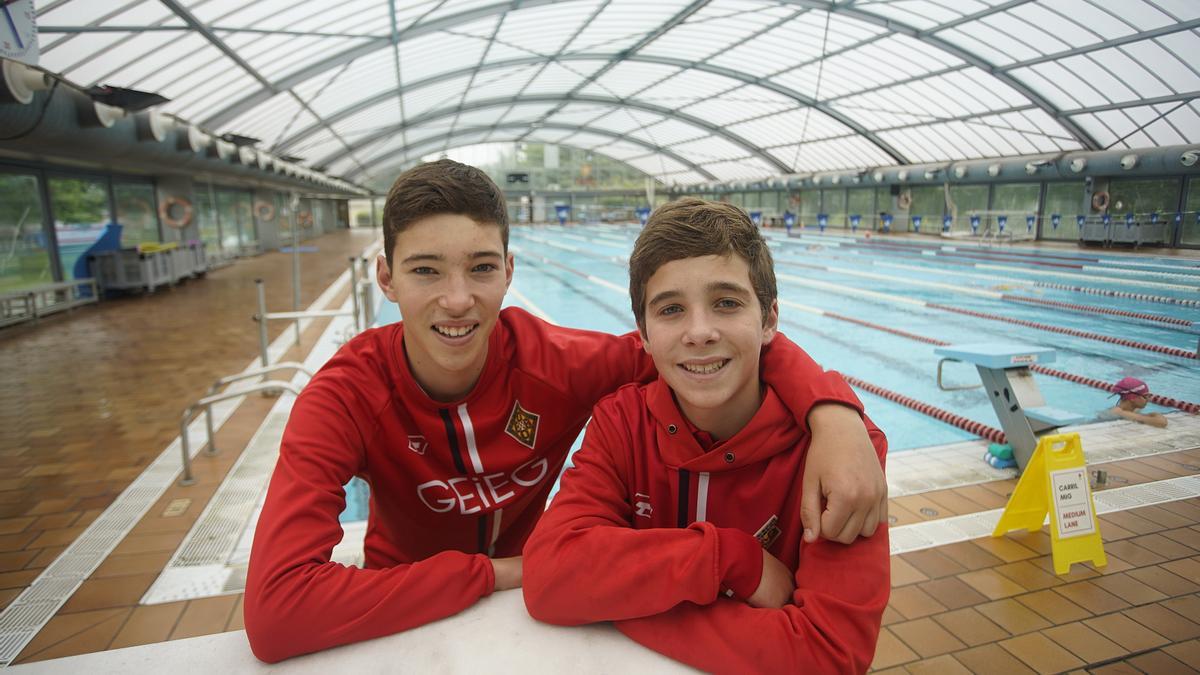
(887, 222)
(916, 222)
(822, 221)
(974, 224)
(1080, 219)
(789, 219)
(1106, 219)
(855, 221)
(1128, 220)
(1029, 221)
(947, 222)
(563, 212)
(1002, 221)
(756, 218)
(643, 214)
(1055, 220)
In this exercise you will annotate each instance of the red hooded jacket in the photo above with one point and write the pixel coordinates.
(451, 483)
(657, 533)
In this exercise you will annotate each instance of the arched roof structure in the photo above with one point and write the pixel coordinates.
(686, 91)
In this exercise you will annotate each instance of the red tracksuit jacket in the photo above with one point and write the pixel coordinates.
(654, 532)
(451, 483)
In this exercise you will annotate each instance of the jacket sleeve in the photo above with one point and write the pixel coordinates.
(297, 600)
(800, 382)
(584, 561)
(831, 627)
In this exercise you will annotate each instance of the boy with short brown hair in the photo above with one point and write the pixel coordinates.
(680, 518)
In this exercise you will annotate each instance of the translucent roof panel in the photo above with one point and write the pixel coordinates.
(683, 90)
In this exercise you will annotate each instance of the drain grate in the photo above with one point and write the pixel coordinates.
(933, 533)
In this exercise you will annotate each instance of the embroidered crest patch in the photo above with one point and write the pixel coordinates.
(769, 532)
(522, 425)
(417, 443)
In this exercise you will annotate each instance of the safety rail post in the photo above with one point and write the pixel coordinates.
(354, 295)
(368, 305)
(206, 402)
(261, 318)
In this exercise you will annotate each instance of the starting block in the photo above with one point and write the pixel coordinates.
(1019, 405)
(1056, 482)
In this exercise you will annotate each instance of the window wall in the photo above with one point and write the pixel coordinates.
(81, 216)
(236, 211)
(928, 202)
(1066, 201)
(1189, 229)
(136, 213)
(1016, 201)
(1143, 197)
(24, 249)
(833, 204)
(205, 217)
(861, 202)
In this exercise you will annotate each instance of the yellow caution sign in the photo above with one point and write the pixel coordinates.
(1056, 482)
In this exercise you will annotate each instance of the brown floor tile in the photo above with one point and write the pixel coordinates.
(1128, 588)
(235, 618)
(903, 573)
(991, 660)
(926, 637)
(1164, 581)
(149, 543)
(56, 521)
(18, 579)
(992, 584)
(1091, 597)
(1012, 616)
(15, 525)
(1028, 575)
(1118, 668)
(1188, 568)
(953, 501)
(914, 603)
(1005, 548)
(1164, 546)
(7, 595)
(1085, 643)
(52, 506)
(45, 556)
(147, 624)
(16, 542)
(1164, 518)
(890, 651)
(107, 593)
(73, 630)
(60, 537)
(1165, 622)
(1188, 606)
(933, 562)
(16, 560)
(1186, 652)
(969, 555)
(939, 665)
(1132, 553)
(1126, 632)
(1127, 520)
(1040, 653)
(891, 616)
(1053, 606)
(205, 616)
(136, 563)
(952, 592)
(970, 626)
(1159, 661)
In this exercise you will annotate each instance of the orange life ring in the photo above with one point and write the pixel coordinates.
(264, 211)
(904, 200)
(166, 212)
(1100, 201)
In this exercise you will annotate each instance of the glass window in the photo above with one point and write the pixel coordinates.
(884, 203)
(1015, 201)
(861, 202)
(237, 221)
(1066, 201)
(136, 214)
(206, 220)
(965, 201)
(1143, 197)
(833, 204)
(24, 251)
(81, 216)
(1189, 233)
(752, 201)
(929, 202)
(810, 206)
(283, 219)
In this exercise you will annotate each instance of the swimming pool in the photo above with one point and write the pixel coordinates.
(872, 307)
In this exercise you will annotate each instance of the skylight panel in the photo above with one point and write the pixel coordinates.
(713, 148)
(499, 84)
(624, 150)
(749, 168)
(527, 112)
(628, 77)
(368, 120)
(669, 132)
(1058, 77)
(548, 135)
(439, 95)
(581, 113)
(100, 67)
(1065, 27)
(686, 87)
(438, 53)
(737, 105)
(74, 13)
(920, 14)
(789, 127)
(623, 120)
(1095, 17)
(656, 164)
(555, 78)
(545, 29)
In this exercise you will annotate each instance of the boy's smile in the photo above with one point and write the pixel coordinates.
(705, 330)
(449, 279)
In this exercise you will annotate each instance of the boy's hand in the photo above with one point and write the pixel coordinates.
(842, 470)
(776, 586)
(508, 572)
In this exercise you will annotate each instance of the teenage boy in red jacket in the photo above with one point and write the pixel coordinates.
(680, 520)
(460, 418)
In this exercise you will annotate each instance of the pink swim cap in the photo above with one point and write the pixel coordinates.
(1130, 388)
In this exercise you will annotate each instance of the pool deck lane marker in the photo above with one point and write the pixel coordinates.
(36, 605)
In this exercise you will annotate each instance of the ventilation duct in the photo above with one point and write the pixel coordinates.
(21, 81)
(152, 125)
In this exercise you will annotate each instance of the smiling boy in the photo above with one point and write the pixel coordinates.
(680, 518)
(460, 418)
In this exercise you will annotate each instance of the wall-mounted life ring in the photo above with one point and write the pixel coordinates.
(264, 211)
(1100, 201)
(305, 218)
(904, 200)
(168, 207)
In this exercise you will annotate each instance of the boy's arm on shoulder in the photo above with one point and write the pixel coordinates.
(831, 626)
(298, 601)
(584, 561)
(845, 492)
(589, 365)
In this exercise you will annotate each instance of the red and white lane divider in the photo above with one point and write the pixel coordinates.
(1166, 401)
(1120, 294)
(969, 425)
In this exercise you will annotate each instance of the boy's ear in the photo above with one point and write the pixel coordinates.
(771, 325)
(383, 276)
(509, 264)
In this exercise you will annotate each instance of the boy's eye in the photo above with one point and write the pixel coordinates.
(670, 309)
(484, 267)
(728, 303)
(423, 270)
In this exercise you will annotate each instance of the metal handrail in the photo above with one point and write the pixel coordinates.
(282, 365)
(276, 386)
(956, 388)
(263, 316)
